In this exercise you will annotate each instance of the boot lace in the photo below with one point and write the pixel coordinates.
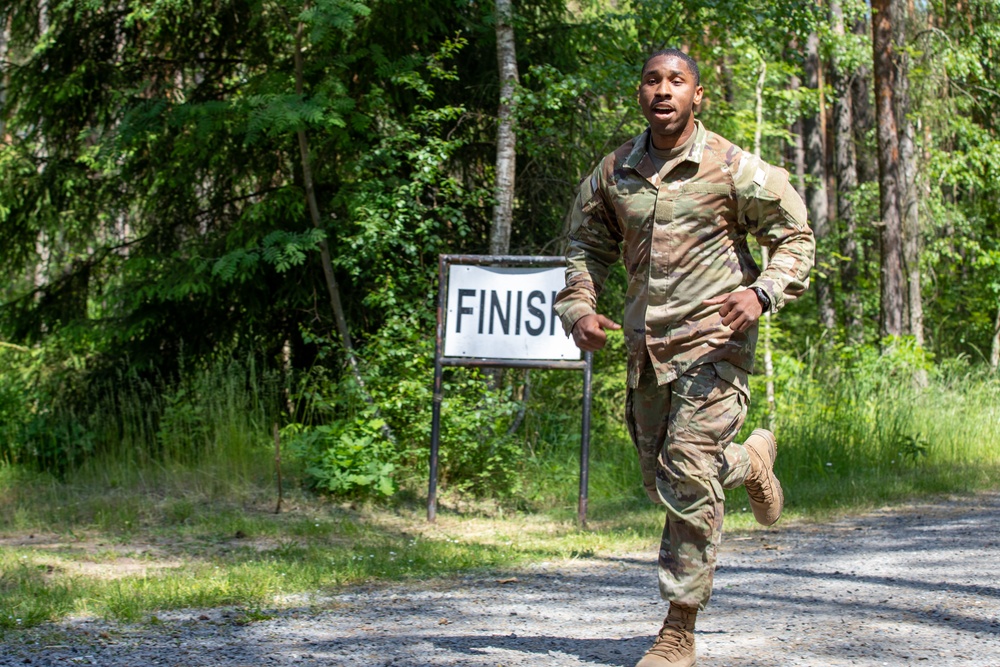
(671, 642)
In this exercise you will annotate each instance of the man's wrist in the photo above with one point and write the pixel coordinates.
(763, 298)
(571, 312)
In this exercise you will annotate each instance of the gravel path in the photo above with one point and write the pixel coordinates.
(914, 586)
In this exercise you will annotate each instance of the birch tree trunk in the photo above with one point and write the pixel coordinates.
(506, 164)
(892, 283)
(845, 171)
(772, 409)
(43, 18)
(817, 200)
(909, 200)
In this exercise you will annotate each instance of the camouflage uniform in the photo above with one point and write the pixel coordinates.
(682, 237)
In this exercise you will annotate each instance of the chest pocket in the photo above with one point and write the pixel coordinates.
(634, 199)
(700, 204)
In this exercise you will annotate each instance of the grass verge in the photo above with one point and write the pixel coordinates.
(123, 555)
(126, 555)
(124, 537)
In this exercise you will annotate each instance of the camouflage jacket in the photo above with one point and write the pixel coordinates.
(683, 239)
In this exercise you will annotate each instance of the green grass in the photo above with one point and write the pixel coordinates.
(131, 532)
(879, 432)
(128, 555)
(862, 433)
(132, 555)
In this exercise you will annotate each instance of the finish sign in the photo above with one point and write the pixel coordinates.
(505, 313)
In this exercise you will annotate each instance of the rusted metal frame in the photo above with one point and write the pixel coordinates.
(440, 361)
(503, 260)
(438, 374)
(514, 363)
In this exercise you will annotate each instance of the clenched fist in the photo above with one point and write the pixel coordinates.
(739, 310)
(588, 332)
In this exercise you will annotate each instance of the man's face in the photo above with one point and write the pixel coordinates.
(667, 95)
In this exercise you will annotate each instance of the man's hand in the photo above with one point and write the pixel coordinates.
(588, 332)
(739, 309)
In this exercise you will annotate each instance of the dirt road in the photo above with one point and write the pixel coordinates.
(918, 585)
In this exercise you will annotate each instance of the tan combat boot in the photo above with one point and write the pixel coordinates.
(674, 646)
(764, 489)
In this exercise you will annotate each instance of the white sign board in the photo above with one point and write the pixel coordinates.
(505, 313)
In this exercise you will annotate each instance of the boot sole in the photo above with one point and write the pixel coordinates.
(779, 493)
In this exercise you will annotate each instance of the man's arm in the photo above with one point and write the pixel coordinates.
(593, 248)
(771, 210)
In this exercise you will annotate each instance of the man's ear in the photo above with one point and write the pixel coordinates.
(698, 93)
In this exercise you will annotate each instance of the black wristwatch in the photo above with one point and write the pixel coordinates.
(765, 300)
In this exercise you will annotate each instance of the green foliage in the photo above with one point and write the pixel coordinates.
(347, 457)
(58, 418)
(477, 454)
(281, 249)
(39, 424)
(153, 211)
(184, 424)
(343, 441)
(865, 424)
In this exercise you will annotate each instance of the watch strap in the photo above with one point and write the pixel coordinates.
(765, 300)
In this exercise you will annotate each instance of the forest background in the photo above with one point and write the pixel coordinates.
(220, 217)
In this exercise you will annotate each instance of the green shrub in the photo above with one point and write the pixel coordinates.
(346, 457)
(342, 438)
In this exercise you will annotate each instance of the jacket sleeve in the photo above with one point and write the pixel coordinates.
(594, 240)
(770, 209)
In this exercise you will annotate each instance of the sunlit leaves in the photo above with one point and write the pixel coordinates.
(332, 18)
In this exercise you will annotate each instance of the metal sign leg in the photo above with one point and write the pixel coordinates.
(585, 439)
(435, 442)
(436, 410)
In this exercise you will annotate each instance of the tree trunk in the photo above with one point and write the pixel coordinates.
(728, 82)
(286, 369)
(772, 411)
(798, 146)
(845, 171)
(892, 294)
(864, 117)
(816, 195)
(506, 164)
(43, 19)
(333, 289)
(5, 35)
(909, 200)
(995, 348)
(503, 211)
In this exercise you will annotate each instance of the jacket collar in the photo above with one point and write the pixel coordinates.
(639, 160)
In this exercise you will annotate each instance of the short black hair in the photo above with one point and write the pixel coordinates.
(676, 53)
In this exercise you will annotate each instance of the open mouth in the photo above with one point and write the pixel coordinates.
(662, 111)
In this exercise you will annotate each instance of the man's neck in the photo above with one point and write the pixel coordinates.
(666, 142)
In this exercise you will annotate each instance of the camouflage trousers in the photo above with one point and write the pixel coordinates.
(683, 432)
